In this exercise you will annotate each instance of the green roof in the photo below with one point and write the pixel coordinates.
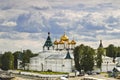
(68, 56)
(48, 42)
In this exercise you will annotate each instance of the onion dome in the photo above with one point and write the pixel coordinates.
(73, 42)
(61, 42)
(56, 42)
(64, 37)
(69, 42)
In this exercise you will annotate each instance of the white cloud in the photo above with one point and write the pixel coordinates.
(85, 20)
(14, 45)
(9, 24)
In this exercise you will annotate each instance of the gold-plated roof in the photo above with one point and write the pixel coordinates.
(61, 42)
(73, 42)
(56, 42)
(68, 42)
(64, 37)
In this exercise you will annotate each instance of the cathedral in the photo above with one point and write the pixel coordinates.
(56, 56)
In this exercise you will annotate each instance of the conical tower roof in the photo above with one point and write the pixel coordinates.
(100, 46)
(48, 42)
(68, 55)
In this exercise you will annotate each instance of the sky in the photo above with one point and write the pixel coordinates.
(24, 24)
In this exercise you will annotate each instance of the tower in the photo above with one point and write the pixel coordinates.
(100, 46)
(48, 43)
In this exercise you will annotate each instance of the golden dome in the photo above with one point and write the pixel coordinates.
(61, 42)
(73, 42)
(56, 42)
(64, 37)
(68, 42)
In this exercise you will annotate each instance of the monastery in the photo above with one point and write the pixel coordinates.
(58, 56)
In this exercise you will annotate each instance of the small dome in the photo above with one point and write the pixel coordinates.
(69, 42)
(73, 42)
(64, 37)
(56, 42)
(61, 42)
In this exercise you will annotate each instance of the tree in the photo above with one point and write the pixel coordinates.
(78, 51)
(118, 51)
(87, 60)
(100, 53)
(111, 51)
(0, 61)
(84, 57)
(27, 54)
(7, 61)
(17, 55)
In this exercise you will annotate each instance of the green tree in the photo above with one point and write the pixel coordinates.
(27, 54)
(118, 51)
(87, 60)
(16, 57)
(7, 61)
(100, 53)
(84, 57)
(78, 51)
(111, 51)
(0, 61)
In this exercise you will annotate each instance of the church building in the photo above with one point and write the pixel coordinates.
(56, 56)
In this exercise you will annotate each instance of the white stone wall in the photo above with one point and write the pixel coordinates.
(108, 64)
(36, 64)
(59, 65)
(107, 67)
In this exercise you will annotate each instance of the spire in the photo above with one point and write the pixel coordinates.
(100, 46)
(68, 55)
(48, 42)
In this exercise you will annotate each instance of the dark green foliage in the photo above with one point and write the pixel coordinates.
(27, 54)
(7, 61)
(87, 60)
(0, 61)
(111, 51)
(17, 55)
(84, 57)
(100, 53)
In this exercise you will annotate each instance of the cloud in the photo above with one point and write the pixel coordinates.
(87, 21)
(9, 24)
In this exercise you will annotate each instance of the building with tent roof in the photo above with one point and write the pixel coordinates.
(56, 56)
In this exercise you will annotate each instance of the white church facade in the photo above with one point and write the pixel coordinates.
(55, 56)
(58, 56)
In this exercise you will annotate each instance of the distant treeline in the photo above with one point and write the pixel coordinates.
(8, 60)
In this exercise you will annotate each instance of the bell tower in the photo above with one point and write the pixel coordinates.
(48, 43)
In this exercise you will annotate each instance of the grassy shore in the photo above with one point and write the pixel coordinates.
(44, 72)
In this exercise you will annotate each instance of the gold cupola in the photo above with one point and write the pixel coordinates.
(56, 42)
(64, 37)
(73, 42)
(68, 42)
(61, 42)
